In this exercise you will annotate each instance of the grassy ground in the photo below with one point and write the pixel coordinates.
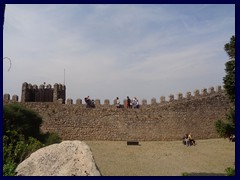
(163, 158)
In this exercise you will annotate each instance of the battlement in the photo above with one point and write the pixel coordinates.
(33, 93)
(42, 93)
(204, 93)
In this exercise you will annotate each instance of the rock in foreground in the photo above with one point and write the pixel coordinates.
(69, 158)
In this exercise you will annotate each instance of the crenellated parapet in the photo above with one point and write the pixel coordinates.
(79, 101)
(69, 101)
(188, 96)
(171, 98)
(162, 99)
(97, 102)
(7, 99)
(144, 102)
(43, 93)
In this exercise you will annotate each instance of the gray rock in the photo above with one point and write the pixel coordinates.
(69, 158)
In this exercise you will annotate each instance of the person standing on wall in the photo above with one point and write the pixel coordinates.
(118, 103)
(128, 102)
(135, 103)
(88, 101)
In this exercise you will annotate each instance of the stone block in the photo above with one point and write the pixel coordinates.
(171, 98)
(78, 101)
(15, 98)
(162, 99)
(144, 102)
(132, 142)
(180, 96)
(153, 101)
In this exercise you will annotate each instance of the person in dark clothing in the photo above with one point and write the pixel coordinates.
(88, 102)
(128, 102)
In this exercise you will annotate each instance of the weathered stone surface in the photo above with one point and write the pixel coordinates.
(43, 93)
(69, 158)
(168, 120)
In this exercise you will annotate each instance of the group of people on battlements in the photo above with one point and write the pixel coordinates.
(89, 103)
(134, 103)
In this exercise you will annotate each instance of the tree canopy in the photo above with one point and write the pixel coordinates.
(230, 48)
(227, 128)
(229, 79)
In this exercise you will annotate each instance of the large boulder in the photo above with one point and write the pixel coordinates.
(69, 158)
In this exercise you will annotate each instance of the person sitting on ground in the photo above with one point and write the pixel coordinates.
(183, 140)
(186, 139)
(232, 138)
(192, 141)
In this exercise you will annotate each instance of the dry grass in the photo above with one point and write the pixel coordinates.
(163, 158)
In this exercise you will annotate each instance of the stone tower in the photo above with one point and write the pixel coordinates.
(33, 93)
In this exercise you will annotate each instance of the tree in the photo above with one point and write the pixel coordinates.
(22, 136)
(229, 79)
(226, 129)
(230, 48)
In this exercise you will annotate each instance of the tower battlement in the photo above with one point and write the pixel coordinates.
(33, 93)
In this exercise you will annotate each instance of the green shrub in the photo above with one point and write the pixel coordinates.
(9, 169)
(230, 171)
(16, 148)
(185, 174)
(22, 136)
(22, 120)
(50, 138)
(221, 128)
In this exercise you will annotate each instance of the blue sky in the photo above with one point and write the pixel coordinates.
(117, 50)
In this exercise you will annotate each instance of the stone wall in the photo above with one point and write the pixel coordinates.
(167, 120)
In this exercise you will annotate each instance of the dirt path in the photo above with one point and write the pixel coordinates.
(163, 158)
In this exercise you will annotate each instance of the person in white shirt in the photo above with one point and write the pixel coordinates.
(118, 103)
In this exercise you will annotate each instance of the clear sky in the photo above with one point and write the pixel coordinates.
(117, 50)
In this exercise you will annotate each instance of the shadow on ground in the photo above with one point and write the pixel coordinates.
(206, 174)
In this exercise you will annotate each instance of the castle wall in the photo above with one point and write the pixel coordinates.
(167, 120)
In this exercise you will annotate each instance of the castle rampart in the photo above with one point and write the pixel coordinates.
(163, 120)
(33, 93)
